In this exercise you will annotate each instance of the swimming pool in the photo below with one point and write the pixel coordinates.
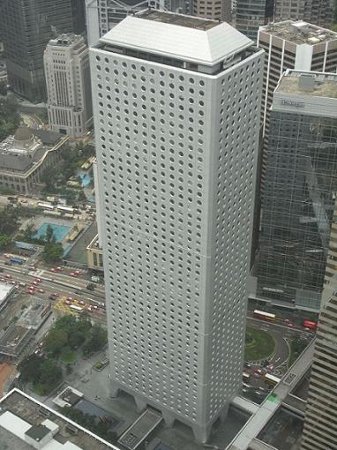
(85, 178)
(60, 231)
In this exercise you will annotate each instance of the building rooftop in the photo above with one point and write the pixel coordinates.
(299, 32)
(308, 83)
(178, 19)
(37, 432)
(66, 40)
(178, 36)
(5, 290)
(19, 152)
(24, 420)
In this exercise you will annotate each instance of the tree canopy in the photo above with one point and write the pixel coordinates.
(9, 117)
(53, 252)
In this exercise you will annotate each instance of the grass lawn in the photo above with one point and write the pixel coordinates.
(68, 357)
(296, 348)
(259, 344)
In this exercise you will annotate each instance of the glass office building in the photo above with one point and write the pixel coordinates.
(27, 26)
(300, 190)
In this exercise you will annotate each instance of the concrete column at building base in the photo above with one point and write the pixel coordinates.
(114, 390)
(224, 414)
(201, 433)
(140, 404)
(168, 419)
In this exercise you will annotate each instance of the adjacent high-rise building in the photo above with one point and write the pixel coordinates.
(213, 9)
(318, 12)
(293, 45)
(299, 191)
(176, 129)
(249, 15)
(320, 424)
(102, 15)
(27, 26)
(66, 63)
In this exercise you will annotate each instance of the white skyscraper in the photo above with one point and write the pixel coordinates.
(176, 110)
(67, 72)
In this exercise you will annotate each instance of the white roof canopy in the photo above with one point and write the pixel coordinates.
(177, 36)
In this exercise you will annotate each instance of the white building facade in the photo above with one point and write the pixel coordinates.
(176, 111)
(66, 64)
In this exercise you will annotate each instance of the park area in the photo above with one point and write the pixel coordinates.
(259, 344)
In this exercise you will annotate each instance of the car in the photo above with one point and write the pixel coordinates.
(41, 290)
(32, 288)
(67, 302)
(77, 272)
(38, 280)
(94, 306)
(81, 302)
(59, 269)
(8, 276)
(259, 371)
(72, 274)
(270, 367)
(31, 292)
(53, 269)
(22, 284)
(35, 282)
(70, 299)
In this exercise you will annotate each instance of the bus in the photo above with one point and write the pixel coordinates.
(245, 377)
(264, 315)
(271, 379)
(17, 260)
(45, 206)
(76, 308)
(66, 209)
(311, 324)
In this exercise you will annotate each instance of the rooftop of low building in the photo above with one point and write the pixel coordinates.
(309, 83)
(299, 32)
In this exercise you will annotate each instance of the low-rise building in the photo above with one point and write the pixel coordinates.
(25, 156)
(95, 255)
(26, 424)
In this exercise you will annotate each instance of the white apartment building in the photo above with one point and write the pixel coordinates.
(67, 72)
(176, 112)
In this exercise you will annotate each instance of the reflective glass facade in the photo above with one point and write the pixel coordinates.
(27, 26)
(297, 207)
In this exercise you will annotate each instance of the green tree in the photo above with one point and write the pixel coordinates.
(55, 341)
(28, 232)
(50, 373)
(29, 368)
(9, 220)
(49, 236)
(96, 341)
(49, 178)
(53, 251)
(76, 339)
(5, 241)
